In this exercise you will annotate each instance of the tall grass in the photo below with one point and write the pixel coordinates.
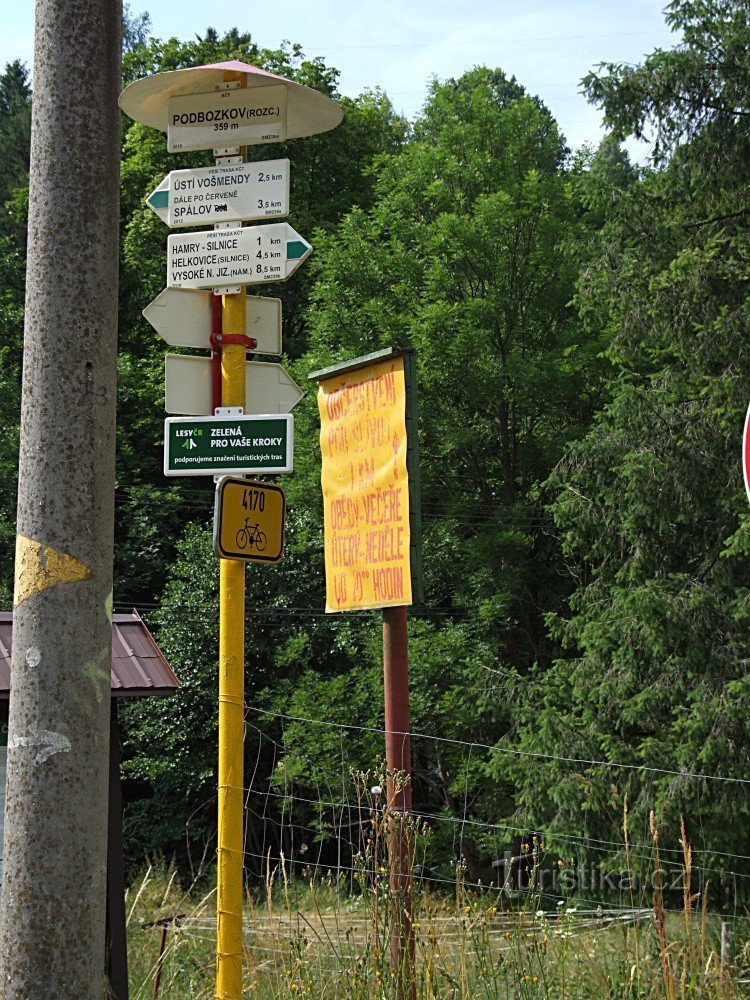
(330, 936)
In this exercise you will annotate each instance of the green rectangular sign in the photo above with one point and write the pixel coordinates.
(220, 445)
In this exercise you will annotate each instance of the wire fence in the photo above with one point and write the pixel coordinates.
(317, 819)
(302, 800)
(502, 906)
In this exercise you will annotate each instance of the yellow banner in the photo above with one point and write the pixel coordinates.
(365, 487)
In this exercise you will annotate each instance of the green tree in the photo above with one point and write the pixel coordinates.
(466, 256)
(650, 503)
(694, 94)
(469, 254)
(15, 131)
(135, 28)
(11, 338)
(465, 247)
(15, 128)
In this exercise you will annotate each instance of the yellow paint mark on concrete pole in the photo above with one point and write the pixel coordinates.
(39, 567)
(231, 696)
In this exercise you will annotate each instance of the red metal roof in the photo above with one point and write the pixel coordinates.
(138, 665)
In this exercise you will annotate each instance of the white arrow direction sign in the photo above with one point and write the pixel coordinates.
(214, 194)
(268, 388)
(234, 256)
(182, 317)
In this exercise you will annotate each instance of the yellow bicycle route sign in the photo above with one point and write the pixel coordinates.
(249, 520)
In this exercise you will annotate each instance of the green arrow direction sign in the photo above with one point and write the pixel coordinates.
(202, 195)
(220, 445)
(246, 256)
(158, 198)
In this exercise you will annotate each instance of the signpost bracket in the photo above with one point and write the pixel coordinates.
(218, 339)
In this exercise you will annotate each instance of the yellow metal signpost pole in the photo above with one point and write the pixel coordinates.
(229, 896)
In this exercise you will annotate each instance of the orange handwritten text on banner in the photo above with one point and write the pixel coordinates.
(365, 487)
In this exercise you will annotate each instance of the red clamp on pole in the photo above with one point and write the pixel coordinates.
(218, 338)
(215, 352)
(238, 338)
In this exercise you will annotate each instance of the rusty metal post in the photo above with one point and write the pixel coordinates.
(160, 960)
(164, 923)
(52, 923)
(398, 758)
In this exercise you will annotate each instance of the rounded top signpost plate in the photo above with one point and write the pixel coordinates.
(308, 112)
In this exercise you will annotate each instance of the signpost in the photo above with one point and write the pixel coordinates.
(241, 191)
(246, 256)
(188, 386)
(308, 112)
(216, 446)
(225, 105)
(249, 521)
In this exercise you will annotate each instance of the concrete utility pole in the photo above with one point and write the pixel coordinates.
(53, 899)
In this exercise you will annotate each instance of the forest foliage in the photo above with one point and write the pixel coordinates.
(581, 328)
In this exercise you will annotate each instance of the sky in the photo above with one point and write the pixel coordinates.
(399, 45)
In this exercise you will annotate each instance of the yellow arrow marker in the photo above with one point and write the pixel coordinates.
(39, 567)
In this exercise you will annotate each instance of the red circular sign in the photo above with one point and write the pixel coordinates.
(746, 453)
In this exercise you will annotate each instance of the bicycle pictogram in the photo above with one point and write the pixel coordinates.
(251, 536)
